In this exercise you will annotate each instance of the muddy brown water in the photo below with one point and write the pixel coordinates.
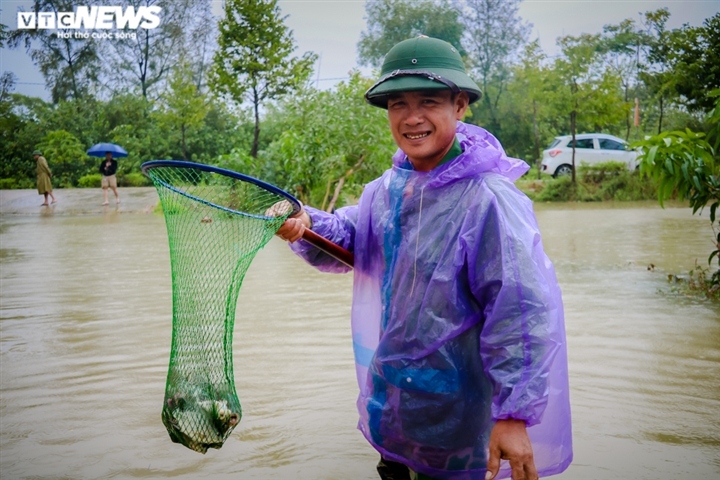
(85, 329)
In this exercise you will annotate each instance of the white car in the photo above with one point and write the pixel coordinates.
(590, 149)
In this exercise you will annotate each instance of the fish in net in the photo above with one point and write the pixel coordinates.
(216, 222)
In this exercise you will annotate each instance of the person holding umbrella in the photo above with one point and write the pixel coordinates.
(108, 167)
(44, 185)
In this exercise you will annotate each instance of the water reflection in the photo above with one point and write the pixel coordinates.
(85, 326)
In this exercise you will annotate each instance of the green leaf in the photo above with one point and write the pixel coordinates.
(686, 175)
(669, 166)
(697, 184)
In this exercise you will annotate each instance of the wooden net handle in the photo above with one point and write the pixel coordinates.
(332, 249)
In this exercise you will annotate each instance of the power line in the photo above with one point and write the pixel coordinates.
(332, 79)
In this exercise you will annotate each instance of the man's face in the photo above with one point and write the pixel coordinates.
(423, 124)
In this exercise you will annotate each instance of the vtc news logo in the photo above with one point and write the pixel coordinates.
(91, 18)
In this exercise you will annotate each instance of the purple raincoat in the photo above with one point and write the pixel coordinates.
(457, 316)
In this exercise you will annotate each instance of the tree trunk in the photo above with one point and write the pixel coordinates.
(660, 120)
(341, 182)
(536, 139)
(327, 194)
(494, 126)
(573, 115)
(144, 65)
(336, 194)
(256, 133)
(184, 148)
(628, 125)
(71, 67)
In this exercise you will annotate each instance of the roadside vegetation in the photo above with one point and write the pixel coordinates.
(610, 181)
(233, 92)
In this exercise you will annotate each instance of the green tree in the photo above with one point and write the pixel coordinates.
(623, 47)
(148, 139)
(4, 34)
(185, 107)
(254, 60)
(220, 133)
(81, 117)
(315, 157)
(200, 44)
(695, 59)
(529, 105)
(494, 35)
(687, 163)
(16, 166)
(143, 62)
(392, 21)
(67, 156)
(586, 94)
(657, 76)
(69, 65)
(7, 85)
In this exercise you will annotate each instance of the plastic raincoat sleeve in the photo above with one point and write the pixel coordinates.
(508, 278)
(339, 228)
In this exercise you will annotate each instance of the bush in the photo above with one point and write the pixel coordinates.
(602, 171)
(15, 183)
(610, 181)
(8, 184)
(134, 179)
(92, 180)
(563, 190)
(628, 187)
(66, 157)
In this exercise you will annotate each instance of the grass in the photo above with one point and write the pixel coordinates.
(603, 182)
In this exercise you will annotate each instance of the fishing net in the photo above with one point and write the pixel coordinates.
(216, 223)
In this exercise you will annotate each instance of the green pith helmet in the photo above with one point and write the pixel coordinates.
(37, 152)
(421, 63)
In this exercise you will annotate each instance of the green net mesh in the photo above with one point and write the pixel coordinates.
(216, 224)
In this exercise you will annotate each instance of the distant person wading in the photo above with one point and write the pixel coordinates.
(44, 185)
(108, 167)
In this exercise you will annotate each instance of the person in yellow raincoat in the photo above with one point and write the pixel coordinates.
(44, 185)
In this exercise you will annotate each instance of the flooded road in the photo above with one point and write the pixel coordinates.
(85, 331)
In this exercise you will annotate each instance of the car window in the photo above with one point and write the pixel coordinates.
(607, 144)
(554, 143)
(582, 143)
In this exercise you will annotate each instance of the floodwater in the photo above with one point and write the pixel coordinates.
(85, 331)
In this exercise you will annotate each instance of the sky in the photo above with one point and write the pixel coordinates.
(331, 28)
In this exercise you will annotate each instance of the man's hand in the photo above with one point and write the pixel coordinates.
(509, 441)
(292, 229)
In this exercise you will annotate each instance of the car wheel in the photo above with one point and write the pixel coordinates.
(563, 170)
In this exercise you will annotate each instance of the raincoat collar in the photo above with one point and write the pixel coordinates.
(482, 153)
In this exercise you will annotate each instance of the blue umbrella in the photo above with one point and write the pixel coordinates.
(100, 149)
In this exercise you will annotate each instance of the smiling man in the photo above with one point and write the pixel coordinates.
(457, 318)
(423, 124)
